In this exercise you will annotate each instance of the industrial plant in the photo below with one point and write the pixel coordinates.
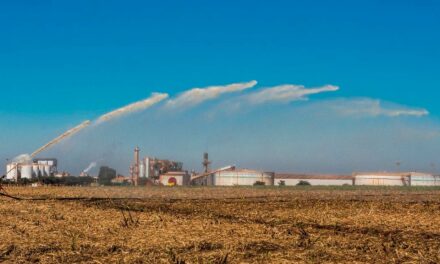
(31, 169)
(155, 171)
(150, 171)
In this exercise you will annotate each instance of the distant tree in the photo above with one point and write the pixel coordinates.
(106, 175)
(259, 183)
(303, 183)
(75, 180)
(282, 183)
(50, 180)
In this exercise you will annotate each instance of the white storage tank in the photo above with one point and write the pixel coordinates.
(41, 169)
(26, 171)
(35, 170)
(424, 179)
(383, 179)
(12, 171)
(289, 179)
(240, 177)
(142, 170)
(47, 169)
(147, 167)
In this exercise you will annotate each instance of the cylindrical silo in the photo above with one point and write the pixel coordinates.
(47, 170)
(142, 170)
(147, 167)
(35, 170)
(26, 171)
(242, 177)
(41, 169)
(11, 171)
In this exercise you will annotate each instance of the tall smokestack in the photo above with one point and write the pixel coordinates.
(136, 167)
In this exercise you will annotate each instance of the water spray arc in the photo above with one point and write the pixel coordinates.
(134, 107)
(66, 134)
(26, 158)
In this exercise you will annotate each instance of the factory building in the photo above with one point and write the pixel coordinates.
(317, 179)
(159, 171)
(34, 169)
(396, 179)
(153, 167)
(175, 178)
(44, 167)
(234, 177)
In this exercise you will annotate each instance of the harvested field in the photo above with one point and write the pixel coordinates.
(220, 225)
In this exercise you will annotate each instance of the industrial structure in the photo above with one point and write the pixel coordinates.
(171, 173)
(29, 170)
(157, 171)
(396, 179)
(242, 177)
(206, 163)
(154, 171)
(289, 179)
(175, 178)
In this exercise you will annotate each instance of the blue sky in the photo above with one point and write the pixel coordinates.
(62, 62)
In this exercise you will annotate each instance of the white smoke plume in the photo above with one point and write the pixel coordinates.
(91, 166)
(286, 93)
(196, 96)
(134, 107)
(66, 134)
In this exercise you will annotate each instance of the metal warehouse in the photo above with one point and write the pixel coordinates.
(240, 177)
(396, 179)
(294, 179)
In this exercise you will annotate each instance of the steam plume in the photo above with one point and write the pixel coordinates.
(91, 166)
(198, 95)
(134, 107)
(63, 136)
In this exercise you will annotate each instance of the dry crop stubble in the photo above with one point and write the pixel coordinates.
(220, 225)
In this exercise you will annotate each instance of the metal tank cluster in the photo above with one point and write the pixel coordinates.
(29, 170)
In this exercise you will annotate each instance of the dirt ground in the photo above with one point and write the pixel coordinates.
(220, 225)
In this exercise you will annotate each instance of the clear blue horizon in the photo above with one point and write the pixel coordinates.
(63, 62)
